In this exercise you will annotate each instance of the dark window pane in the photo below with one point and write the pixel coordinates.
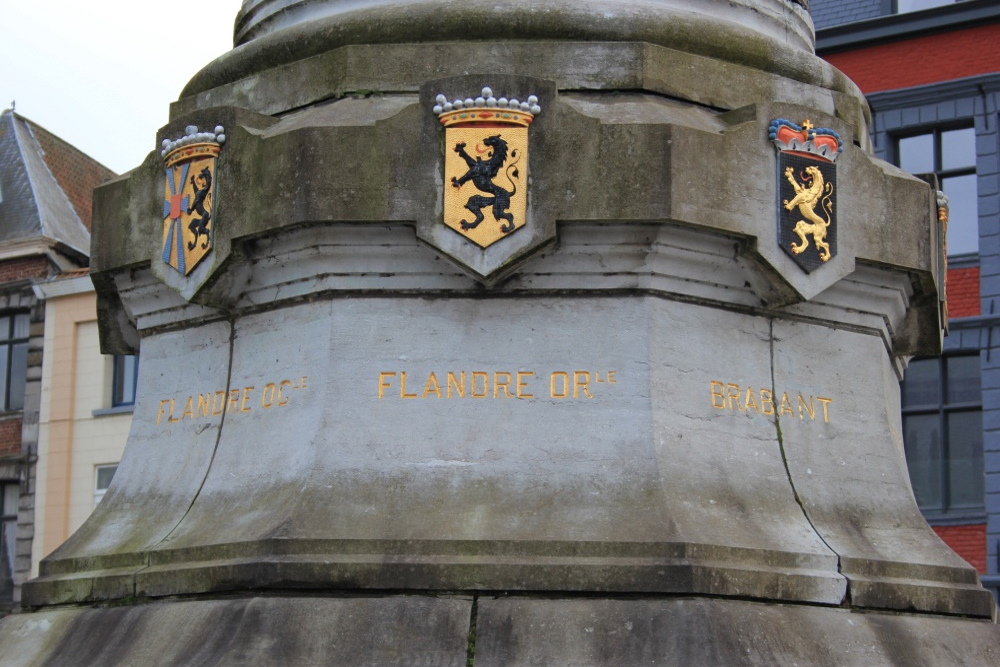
(22, 325)
(104, 476)
(916, 154)
(18, 375)
(965, 459)
(4, 356)
(4, 328)
(922, 438)
(963, 379)
(963, 213)
(126, 367)
(8, 499)
(922, 385)
(958, 148)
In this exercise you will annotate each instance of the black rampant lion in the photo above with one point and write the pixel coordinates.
(202, 185)
(482, 174)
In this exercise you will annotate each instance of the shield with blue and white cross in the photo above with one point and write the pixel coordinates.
(189, 198)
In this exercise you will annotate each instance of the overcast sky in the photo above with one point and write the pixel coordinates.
(101, 74)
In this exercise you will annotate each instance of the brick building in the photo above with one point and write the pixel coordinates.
(45, 202)
(931, 72)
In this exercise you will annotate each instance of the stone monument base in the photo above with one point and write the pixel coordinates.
(491, 631)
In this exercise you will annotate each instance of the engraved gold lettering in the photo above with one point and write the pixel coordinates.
(432, 386)
(218, 403)
(232, 405)
(204, 405)
(807, 408)
(824, 402)
(736, 398)
(733, 394)
(383, 383)
(485, 377)
(209, 404)
(505, 384)
(475, 384)
(246, 397)
(402, 386)
(717, 390)
(267, 396)
(159, 413)
(766, 402)
(786, 405)
(281, 387)
(459, 385)
(562, 377)
(522, 385)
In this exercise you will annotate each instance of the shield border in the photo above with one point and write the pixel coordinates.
(801, 146)
(174, 229)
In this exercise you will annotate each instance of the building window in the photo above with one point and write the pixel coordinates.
(14, 329)
(903, 6)
(9, 492)
(951, 155)
(102, 480)
(943, 433)
(126, 370)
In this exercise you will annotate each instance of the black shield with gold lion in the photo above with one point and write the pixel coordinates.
(807, 191)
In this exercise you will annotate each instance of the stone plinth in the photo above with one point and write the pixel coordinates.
(633, 430)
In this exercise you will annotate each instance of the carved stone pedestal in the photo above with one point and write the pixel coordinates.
(637, 427)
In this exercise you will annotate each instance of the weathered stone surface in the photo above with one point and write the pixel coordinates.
(719, 632)
(779, 19)
(768, 35)
(638, 393)
(648, 160)
(258, 631)
(674, 478)
(852, 478)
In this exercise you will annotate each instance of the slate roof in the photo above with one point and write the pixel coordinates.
(45, 185)
(827, 13)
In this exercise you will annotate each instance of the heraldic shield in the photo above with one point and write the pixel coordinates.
(189, 197)
(486, 165)
(807, 191)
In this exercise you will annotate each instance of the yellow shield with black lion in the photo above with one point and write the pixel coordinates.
(486, 164)
(189, 197)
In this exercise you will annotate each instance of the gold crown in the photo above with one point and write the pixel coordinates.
(193, 144)
(487, 109)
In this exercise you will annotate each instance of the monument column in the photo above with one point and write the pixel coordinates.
(519, 333)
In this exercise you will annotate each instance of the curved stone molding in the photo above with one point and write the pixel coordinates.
(773, 36)
(773, 18)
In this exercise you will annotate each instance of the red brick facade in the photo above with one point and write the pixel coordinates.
(963, 292)
(10, 437)
(77, 173)
(922, 60)
(969, 542)
(24, 268)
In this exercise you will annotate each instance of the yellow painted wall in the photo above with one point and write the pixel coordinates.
(76, 381)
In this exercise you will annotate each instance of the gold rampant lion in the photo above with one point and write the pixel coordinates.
(807, 197)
